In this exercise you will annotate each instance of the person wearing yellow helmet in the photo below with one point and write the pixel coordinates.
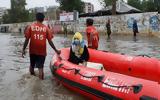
(78, 50)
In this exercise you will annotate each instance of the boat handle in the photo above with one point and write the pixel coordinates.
(144, 55)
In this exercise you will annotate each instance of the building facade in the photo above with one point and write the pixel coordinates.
(52, 13)
(88, 7)
(37, 9)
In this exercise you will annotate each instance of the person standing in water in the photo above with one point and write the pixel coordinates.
(135, 28)
(108, 26)
(92, 34)
(65, 29)
(37, 33)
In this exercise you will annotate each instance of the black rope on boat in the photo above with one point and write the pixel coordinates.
(68, 69)
(104, 50)
(108, 51)
(77, 71)
(143, 55)
(136, 88)
(88, 76)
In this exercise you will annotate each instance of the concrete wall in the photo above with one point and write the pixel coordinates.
(13, 28)
(53, 24)
(148, 23)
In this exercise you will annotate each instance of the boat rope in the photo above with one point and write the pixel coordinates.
(144, 55)
(136, 88)
(108, 52)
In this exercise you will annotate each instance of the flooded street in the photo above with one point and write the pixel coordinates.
(17, 84)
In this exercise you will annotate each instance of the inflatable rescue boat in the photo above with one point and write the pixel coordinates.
(141, 66)
(104, 84)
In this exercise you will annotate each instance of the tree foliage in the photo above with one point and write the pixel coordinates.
(151, 5)
(17, 13)
(145, 5)
(135, 3)
(70, 5)
(106, 3)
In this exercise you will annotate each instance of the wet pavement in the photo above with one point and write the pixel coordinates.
(17, 84)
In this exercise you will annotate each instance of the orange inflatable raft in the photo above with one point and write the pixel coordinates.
(97, 84)
(137, 66)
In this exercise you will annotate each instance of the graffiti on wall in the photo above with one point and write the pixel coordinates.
(123, 23)
(142, 21)
(154, 23)
(130, 22)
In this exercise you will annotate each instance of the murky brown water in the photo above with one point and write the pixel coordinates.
(17, 84)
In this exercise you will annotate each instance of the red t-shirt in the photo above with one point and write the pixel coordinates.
(92, 37)
(38, 33)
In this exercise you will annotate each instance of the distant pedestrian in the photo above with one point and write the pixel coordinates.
(135, 28)
(108, 26)
(37, 33)
(65, 29)
(20, 30)
(92, 34)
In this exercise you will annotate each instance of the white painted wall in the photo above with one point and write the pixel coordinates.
(147, 23)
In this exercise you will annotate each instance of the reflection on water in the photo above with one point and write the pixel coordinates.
(17, 84)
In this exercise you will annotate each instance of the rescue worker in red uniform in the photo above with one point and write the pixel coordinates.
(92, 34)
(37, 33)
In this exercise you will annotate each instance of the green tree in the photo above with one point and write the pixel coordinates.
(70, 5)
(145, 5)
(157, 4)
(32, 15)
(6, 19)
(136, 3)
(17, 13)
(151, 5)
(106, 3)
(148, 5)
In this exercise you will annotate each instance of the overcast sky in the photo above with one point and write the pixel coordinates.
(46, 3)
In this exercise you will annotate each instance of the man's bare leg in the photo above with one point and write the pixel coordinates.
(41, 73)
(31, 70)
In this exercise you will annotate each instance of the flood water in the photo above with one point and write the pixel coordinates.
(17, 84)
